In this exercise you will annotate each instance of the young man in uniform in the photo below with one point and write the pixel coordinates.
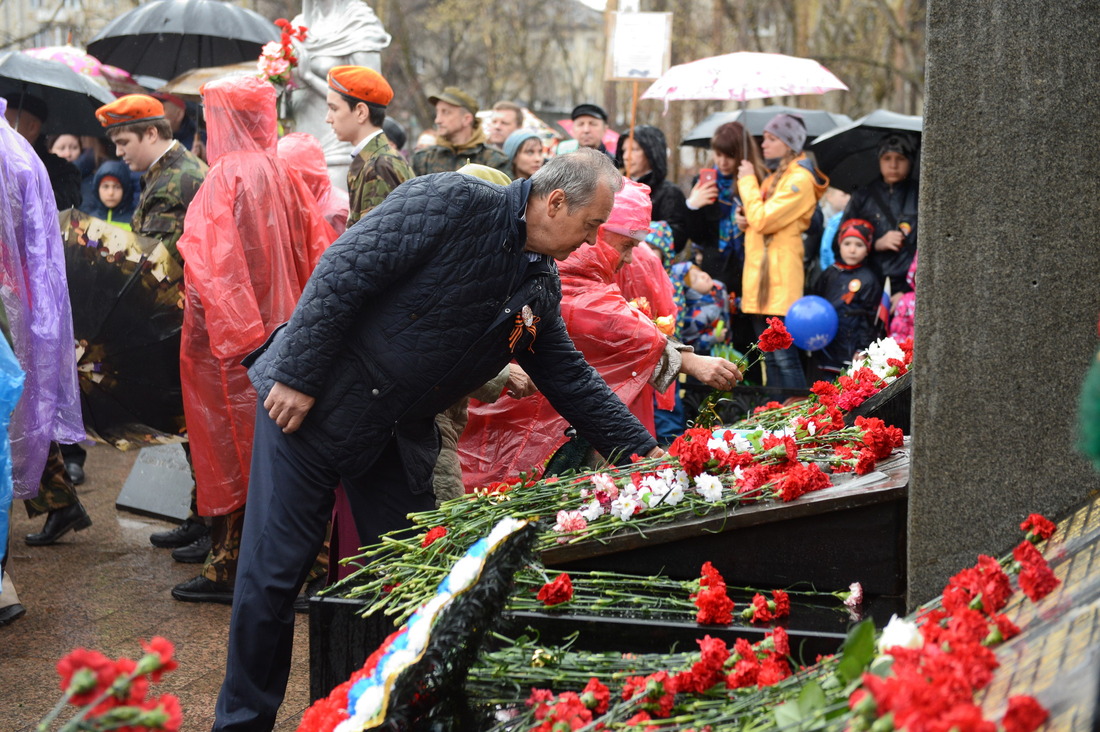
(142, 136)
(357, 100)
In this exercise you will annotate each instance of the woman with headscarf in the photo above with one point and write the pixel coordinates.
(525, 153)
(644, 158)
(775, 214)
(890, 204)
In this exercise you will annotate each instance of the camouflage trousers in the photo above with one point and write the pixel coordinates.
(225, 550)
(55, 490)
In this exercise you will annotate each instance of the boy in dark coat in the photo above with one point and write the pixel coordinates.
(855, 290)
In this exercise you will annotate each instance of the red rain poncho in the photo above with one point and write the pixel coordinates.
(303, 152)
(517, 435)
(251, 238)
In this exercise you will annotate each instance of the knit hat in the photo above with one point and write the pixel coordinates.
(901, 144)
(457, 97)
(862, 230)
(129, 109)
(362, 83)
(790, 128)
(515, 141)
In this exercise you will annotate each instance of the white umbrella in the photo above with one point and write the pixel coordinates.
(743, 75)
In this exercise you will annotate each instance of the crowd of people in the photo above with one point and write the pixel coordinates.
(481, 288)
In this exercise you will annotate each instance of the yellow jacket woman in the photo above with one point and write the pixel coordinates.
(773, 216)
(778, 211)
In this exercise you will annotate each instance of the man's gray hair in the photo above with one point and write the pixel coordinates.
(578, 174)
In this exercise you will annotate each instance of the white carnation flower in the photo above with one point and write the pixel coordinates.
(603, 482)
(624, 507)
(675, 494)
(709, 487)
(592, 510)
(899, 632)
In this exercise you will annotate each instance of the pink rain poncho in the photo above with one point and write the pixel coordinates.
(35, 294)
(303, 152)
(251, 238)
(512, 436)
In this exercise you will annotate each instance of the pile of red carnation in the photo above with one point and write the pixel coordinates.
(750, 665)
(933, 687)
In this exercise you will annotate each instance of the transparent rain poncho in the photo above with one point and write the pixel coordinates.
(251, 238)
(35, 294)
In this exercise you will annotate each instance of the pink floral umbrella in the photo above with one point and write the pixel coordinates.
(743, 75)
(118, 80)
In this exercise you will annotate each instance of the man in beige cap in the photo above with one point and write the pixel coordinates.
(459, 137)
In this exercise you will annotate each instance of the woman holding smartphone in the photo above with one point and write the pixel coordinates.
(775, 214)
(713, 203)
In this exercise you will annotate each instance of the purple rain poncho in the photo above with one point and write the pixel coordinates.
(36, 297)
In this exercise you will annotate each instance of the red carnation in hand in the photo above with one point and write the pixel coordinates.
(437, 532)
(1038, 525)
(558, 591)
(775, 337)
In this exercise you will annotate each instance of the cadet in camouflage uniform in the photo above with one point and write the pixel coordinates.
(459, 138)
(142, 136)
(357, 101)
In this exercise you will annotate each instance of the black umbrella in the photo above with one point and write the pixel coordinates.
(71, 99)
(818, 122)
(125, 292)
(849, 154)
(167, 37)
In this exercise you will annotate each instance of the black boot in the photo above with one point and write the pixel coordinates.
(59, 523)
(182, 535)
(193, 553)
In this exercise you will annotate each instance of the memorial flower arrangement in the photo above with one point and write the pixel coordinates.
(278, 58)
(918, 674)
(794, 451)
(114, 694)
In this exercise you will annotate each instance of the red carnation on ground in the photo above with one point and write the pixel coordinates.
(558, 591)
(164, 649)
(715, 606)
(1024, 714)
(782, 604)
(1036, 578)
(596, 696)
(691, 448)
(1038, 525)
(799, 479)
(775, 337)
(761, 613)
(437, 532)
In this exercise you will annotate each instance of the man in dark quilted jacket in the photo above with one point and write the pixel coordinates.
(415, 306)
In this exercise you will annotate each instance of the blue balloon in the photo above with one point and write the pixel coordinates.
(812, 322)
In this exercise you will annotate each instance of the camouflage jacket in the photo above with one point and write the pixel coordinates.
(374, 172)
(167, 189)
(441, 159)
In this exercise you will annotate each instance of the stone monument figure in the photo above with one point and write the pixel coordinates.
(341, 32)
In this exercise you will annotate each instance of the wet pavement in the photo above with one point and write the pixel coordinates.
(107, 588)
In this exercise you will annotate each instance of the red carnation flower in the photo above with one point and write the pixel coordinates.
(1024, 714)
(781, 641)
(782, 604)
(558, 591)
(775, 337)
(437, 532)
(596, 696)
(1038, 525)
(761, 613)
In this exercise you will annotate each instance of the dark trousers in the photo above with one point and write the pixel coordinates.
(290, 497)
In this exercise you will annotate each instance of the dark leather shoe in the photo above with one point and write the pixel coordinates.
(200, 589)
(59, 523)
(11, 613)
(182, 535)
(76, 472)
(193, 553)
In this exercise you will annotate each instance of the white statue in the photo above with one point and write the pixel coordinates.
(341, 32)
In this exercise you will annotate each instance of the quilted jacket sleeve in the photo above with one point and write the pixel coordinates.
(581, 395)
(398, 237)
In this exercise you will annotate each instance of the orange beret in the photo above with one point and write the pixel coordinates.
(361, 83)
(130, 108)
